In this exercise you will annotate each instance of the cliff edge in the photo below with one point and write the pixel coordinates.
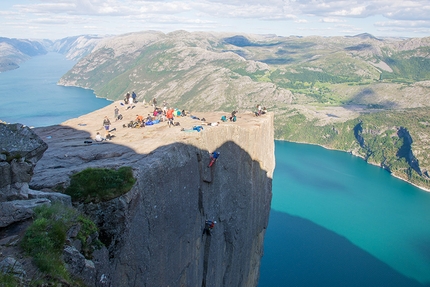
(154, 232)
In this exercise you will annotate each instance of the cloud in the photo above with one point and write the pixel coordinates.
(122, 16)
(332, 20)
(395, 9)
(404, 24)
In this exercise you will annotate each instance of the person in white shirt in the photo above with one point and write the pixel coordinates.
(99, 138)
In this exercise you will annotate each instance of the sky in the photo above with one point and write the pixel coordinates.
(57, 19)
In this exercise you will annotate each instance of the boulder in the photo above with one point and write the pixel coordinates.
(19, 210)
(52, 196)
(21, 148)
(11, 266)
(81, 267)
(21, 141)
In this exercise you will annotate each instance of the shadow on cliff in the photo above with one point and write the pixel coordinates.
(367, 98)
(166, 210)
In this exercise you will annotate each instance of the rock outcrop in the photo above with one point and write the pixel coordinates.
(21, 148)
(154, 232)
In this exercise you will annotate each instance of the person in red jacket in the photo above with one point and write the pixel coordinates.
(169, 116)
(209, 225)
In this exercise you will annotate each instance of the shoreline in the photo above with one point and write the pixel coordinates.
(425, 189)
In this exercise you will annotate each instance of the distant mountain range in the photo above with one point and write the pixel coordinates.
(361, 94)
(15, 51)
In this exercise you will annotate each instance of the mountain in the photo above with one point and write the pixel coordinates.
(15, 51)
(357, 93)
(322, 89)
(74, 48)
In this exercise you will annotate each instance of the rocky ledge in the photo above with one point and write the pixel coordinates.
(153, 234)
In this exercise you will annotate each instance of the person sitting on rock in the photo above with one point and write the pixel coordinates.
(99, 138)
(139, 118)
(233, 116)
(264, 111)
(209, 225)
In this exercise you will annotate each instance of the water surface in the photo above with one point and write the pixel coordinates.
(322, 196)
(30, 94)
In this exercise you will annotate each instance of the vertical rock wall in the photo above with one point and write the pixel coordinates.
(154, 232)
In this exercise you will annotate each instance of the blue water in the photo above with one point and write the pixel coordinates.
(337, 221)
(29, 95)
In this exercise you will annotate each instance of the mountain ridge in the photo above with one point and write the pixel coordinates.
(320, 88)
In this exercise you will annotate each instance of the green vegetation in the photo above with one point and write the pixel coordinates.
(88, 228)
(10, 157)
(315, 73)
(382, 144)
(408, 66)
(44, 240)
(8, 280)
(100, 184)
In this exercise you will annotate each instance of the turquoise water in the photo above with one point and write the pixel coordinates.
(327, 200)
(30, 95)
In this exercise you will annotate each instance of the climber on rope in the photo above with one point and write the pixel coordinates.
(209, 225)
(214, 157)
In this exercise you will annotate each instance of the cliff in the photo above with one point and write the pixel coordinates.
(318, 87)
(154, 232)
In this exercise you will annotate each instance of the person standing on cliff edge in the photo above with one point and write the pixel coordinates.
(106, 124)
(116, 111)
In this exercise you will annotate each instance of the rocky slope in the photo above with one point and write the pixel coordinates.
(318, 87)
(153, 233)
(15, 51)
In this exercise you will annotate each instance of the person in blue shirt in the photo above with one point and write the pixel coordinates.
(133, 96)
(209, 225)
(214, 157)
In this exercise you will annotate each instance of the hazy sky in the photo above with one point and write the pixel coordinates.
(55, 19)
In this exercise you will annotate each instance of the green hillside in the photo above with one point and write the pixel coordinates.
(364, 95)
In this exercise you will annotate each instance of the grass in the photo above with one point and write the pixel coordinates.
(100, 184)
(8, 280)
(44, 240)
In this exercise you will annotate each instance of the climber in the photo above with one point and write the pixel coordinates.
(209, 225)
(214, 157)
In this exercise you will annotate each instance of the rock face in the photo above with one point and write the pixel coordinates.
(154, 232)
(21, 148)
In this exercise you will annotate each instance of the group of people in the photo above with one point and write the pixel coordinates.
(232, 118)
(130, 99)
(260, 111)
(158, 114)
(161, 115)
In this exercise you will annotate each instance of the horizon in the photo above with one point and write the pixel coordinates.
(51, 19)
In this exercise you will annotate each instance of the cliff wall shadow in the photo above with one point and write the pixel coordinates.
(154, 232)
